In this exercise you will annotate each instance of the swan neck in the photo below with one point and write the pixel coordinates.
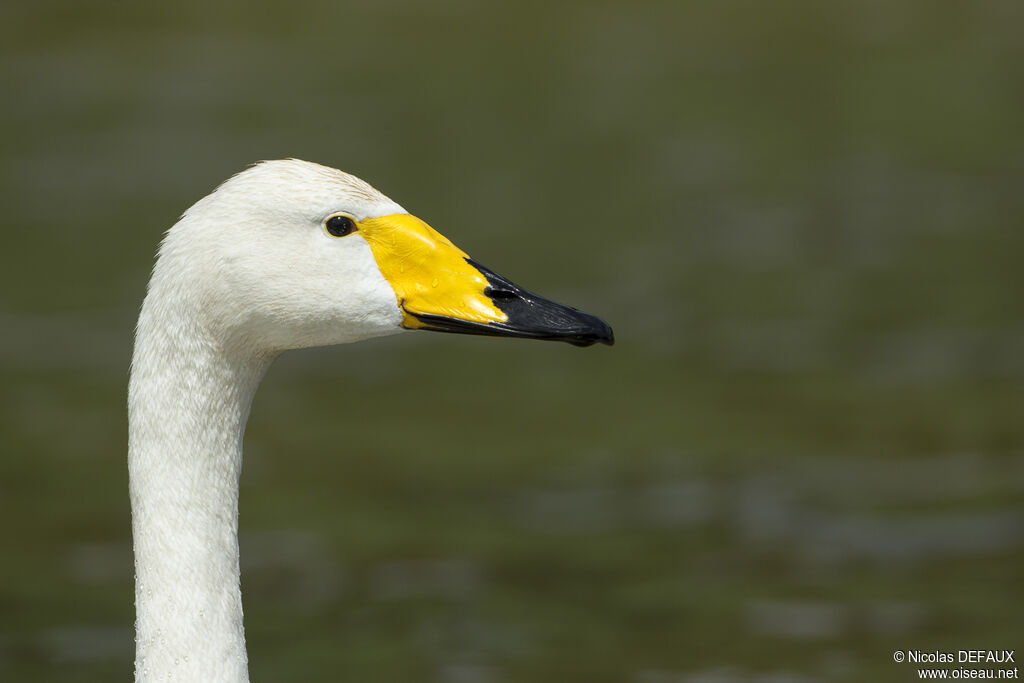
(189, 399)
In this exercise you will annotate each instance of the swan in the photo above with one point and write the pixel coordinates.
(286, 254)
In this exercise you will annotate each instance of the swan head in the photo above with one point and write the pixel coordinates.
(291, 254)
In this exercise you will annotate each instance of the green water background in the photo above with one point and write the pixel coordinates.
(803, 220)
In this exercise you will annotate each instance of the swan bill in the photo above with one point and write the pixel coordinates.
(440, 288)
(527, 315)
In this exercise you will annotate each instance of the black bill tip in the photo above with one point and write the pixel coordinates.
(529, 316)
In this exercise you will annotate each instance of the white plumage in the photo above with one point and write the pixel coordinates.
(248, 272)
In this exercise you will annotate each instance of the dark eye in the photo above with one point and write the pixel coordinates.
(339, 226)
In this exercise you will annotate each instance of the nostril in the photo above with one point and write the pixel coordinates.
(500, 293)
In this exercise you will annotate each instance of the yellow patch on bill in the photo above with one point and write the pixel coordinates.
(429, 274)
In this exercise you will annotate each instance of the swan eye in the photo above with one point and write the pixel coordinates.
(339, 226)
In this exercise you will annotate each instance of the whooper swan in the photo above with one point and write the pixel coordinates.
(287, 254)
